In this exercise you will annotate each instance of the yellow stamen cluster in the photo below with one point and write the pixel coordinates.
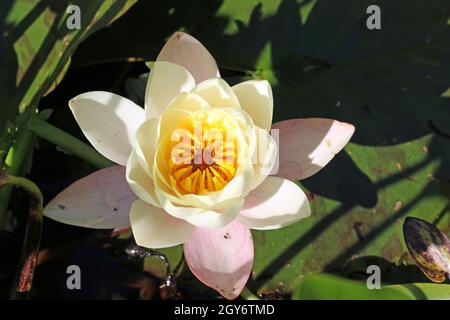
(206, 158)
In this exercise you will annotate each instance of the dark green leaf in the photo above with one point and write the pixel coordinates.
(330, 287)
(36, 46)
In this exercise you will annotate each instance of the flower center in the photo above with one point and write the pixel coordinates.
(205, 157)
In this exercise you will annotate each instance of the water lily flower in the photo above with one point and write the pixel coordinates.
(221, 188)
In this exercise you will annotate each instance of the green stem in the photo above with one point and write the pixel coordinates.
(13, 165)
(30, 187)
(61, 138)
(22, 146)
(248, 295)
(33, 231)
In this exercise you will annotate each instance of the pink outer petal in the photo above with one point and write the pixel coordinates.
(221, 258)
(186, 51)
(307, 145)
(101, 200)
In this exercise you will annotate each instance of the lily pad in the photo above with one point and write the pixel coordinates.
(326, 286)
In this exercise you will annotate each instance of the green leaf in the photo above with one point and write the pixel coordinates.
(330, 287)
(174, 256)
(446, 93)
(59, 77)
(426, 291)
(36, 47)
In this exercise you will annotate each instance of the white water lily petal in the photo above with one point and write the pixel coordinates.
(247, 127)
(153, 228)
(265, 156)
(101, 200)
(169, 124)
(255, 97)
(217, 93)
(216, 219)
(276, 203)
(165, 81)
(307, 145)
(140, 182)
(185, 50)
(146, 139)
(200, 217)
(188, 101)
(108, 121)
